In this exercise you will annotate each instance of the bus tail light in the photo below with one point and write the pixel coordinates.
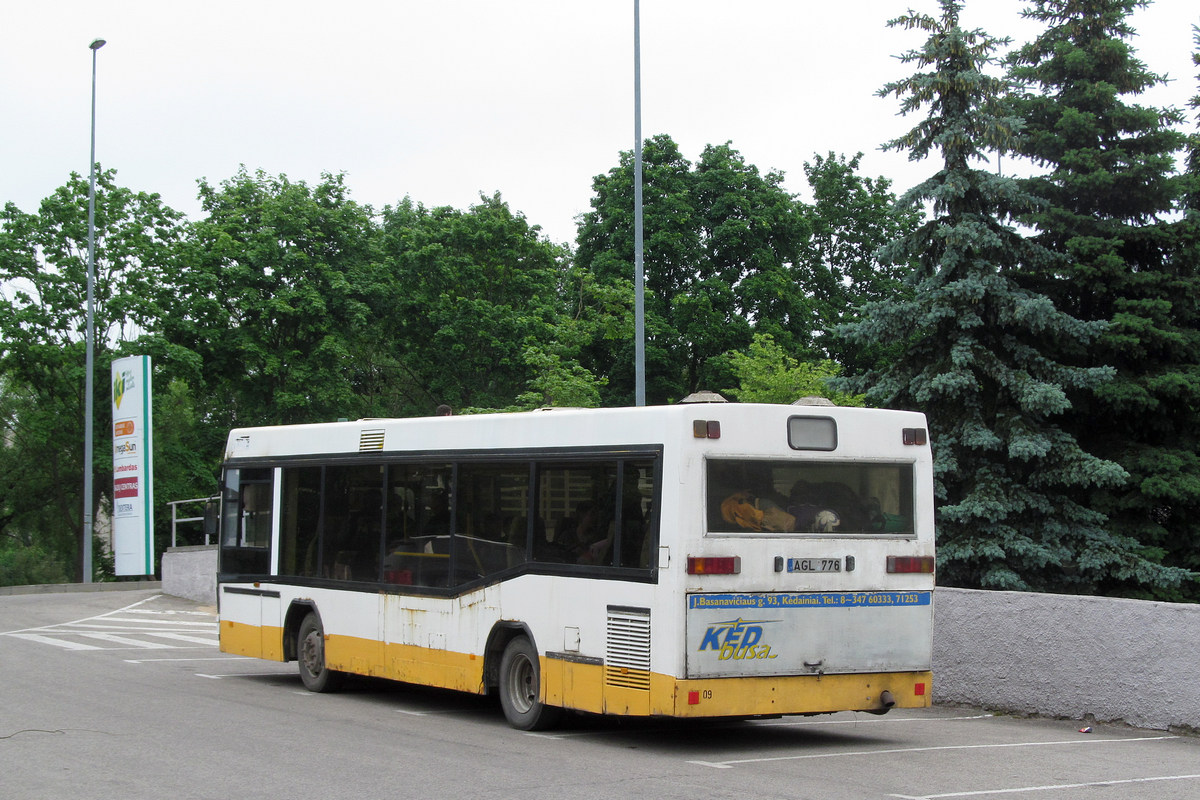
(714, 565)
(910, 564)
(706, 428)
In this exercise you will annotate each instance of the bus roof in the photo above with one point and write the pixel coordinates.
(744, 426)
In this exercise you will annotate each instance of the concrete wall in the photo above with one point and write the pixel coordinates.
(1066, 656)
(191, 572)
(1056, 655)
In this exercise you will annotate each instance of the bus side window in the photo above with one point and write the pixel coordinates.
(575, 504)
(417, 534)
(353, 520)
(637, 496)
(596, 513)
(300, 522)
(490, 500)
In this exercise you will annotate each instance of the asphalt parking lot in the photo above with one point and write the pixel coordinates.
(125, 694)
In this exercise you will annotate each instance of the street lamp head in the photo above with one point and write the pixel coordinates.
(97, 44)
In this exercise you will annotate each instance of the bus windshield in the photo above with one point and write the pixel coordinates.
(812, 497)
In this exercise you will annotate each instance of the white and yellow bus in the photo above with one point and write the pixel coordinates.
(687, 561)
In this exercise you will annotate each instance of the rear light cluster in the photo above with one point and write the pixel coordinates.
(897, 565)
(915, 436)
(732, 565)
(714, 565)
(706, 429)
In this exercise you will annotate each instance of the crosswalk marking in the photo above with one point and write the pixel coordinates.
(108, 622)
(180, 637)
(64, 643)
(126, 628)
(125, 640)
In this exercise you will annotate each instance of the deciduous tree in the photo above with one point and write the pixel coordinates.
(43, 318)
(273, 305)
(767, 374)
(722, 241)
(474, 299)
(852, 217)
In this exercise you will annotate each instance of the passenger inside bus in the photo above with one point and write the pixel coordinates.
(577, 535)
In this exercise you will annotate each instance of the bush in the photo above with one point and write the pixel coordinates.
(23, 566)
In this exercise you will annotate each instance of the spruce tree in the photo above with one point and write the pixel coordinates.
(1006, 473)
(1111, 195)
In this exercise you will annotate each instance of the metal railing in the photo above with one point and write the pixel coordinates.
(176, 519)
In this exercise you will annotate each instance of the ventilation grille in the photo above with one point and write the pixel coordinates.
(370, 440)
(627, 656)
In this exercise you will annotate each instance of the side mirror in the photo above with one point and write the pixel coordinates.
(212, 516)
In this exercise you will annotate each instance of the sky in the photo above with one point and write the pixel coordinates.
(442, 100)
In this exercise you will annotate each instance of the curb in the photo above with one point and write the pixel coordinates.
(57, 588)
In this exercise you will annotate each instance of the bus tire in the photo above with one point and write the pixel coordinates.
(520, 688)
(310, 655)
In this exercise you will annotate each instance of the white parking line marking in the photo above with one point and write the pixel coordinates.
(844, 754)
(197, 658)
(873, 721)
(247, 675)
(1047, 788)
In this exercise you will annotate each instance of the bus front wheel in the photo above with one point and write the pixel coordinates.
(310, 655)
(520, 688)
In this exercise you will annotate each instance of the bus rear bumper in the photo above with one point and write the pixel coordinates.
(592, 688)
(796, 694)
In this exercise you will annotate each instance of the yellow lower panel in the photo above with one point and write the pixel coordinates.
(400, 662)
(582, 686)
(242, 639)
(573, 685)
(272, 643)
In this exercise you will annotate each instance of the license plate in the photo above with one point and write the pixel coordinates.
(814, 565)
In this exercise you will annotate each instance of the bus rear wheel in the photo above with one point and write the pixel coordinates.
(310, 655)
(521, 686)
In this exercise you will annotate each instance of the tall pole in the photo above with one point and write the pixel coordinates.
(639, 299)
(89, 381)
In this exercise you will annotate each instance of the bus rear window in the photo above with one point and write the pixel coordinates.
(838, 498)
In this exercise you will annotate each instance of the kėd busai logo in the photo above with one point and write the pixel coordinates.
(737, 639)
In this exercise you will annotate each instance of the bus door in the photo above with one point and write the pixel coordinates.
(250, 615)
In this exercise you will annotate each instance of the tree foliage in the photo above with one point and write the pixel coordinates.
(272, 283)
(722, 243)
(767, 374)
(474, 299)
(43, 320)
(1110, 191)
(1006, 472)
(852, 217)
(1048, 327)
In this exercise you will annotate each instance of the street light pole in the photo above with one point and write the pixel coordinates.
(639, 299)
(89, 381)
